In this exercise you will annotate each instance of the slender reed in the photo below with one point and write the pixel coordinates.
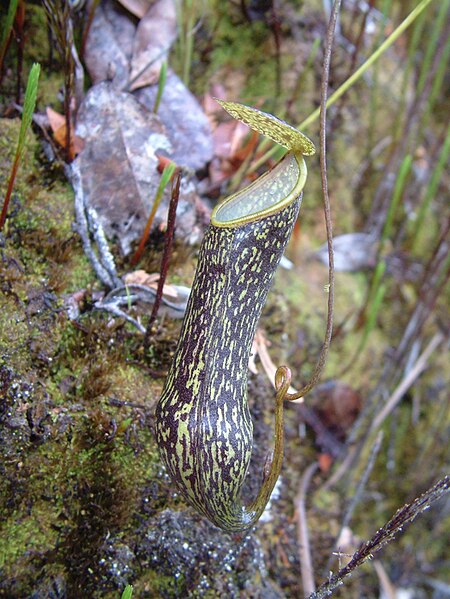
(6, 32)
(167, 174)
(170, 231)
(28, 109)
(161, 85)
(350, 81)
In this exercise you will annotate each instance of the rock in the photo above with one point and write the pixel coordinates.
(186, 124)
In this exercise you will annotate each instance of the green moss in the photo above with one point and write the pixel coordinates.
(85, 482)
(239, 46)
(155, 584)
(24, 534)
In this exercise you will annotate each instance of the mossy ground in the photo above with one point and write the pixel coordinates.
(82, 486)
(78, 450)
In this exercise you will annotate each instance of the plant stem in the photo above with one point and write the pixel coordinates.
(320, 364)
(165, 257)
(431, 189)
(384, 535)
(28, 109)
(165, 178)
(6, 34)
(161, 85)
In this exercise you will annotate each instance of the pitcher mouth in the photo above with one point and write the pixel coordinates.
(269, 194)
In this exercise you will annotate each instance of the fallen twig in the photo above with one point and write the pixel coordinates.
(358, 492)
(103, 264)
(384, 535)
(407, 381)
(304, 549)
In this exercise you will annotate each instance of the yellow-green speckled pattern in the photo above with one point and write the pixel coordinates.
(277, 130)
(203, 424)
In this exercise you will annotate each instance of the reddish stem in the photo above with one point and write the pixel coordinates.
(9, 190)
(165, 257)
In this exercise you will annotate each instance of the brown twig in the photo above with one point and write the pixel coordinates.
(356, 497)
(20, 38)
(407, 381)
(171, 217)
(304, 549)
(384, 535)
(58, 15)
(326, 205)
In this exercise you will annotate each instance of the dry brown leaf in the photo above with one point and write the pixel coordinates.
(138, 8)
(109, 45)
(155, 35)
(259, 347)
(140, 277)
(338, 405)
(55, 119)
(325, 462)
(119, 167)
(121, 138)
(58, 126)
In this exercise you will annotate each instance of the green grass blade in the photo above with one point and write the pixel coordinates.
(436, 87)
(432, 42)
(353, 78)
(416, 37)
(404, 169)
(431, 189)
(29, 105)
(165, 178)
(28, 109)
(161, 86)
(128, 592)
(372, 315)
(370, 61)
(7, 28)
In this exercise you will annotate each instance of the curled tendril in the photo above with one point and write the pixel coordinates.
(283, 377)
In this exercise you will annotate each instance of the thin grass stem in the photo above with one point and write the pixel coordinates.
(431, 190)
(27, 115)
(438, 81)
(6, 33)
(161, 86)
(403, 172)
(165, 178)
(412, 50)
(374, 92)
(351, 80)
(431, 45)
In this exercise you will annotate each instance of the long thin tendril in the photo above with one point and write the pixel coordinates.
(318, 369)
